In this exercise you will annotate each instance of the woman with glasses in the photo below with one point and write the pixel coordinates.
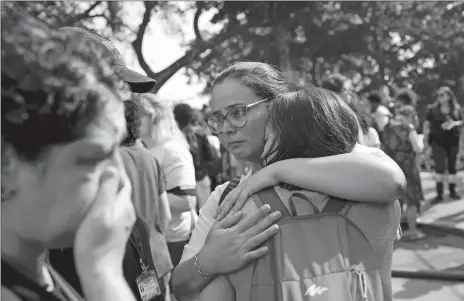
(441, 132)
(239, 117)
(293, 132)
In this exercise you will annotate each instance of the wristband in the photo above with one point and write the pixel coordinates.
(199, 270)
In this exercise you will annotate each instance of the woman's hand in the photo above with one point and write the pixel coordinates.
(100, 241)
(235, 200)
(232, 243)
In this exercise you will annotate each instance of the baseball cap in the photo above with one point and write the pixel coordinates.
(139, 83)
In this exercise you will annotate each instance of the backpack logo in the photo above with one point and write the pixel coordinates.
(314, 290)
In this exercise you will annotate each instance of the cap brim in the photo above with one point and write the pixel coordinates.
(139, 83)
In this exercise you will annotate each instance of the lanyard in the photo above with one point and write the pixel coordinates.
(137, 242)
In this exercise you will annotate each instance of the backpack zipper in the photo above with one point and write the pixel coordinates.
(362, 285)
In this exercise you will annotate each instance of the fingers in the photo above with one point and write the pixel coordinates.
(255, 254)
(254, 219)
(109, 183)
(262, 225)
(225, 206)
(261, 237)
(240, 201)
(231, 220)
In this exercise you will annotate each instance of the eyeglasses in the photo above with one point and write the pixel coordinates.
(236, 118)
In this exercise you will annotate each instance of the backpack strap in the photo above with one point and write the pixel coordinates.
(269, 196)
(232, 184)
(336, 205)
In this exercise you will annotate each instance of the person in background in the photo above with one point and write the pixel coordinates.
(367, 135)
(340, 84)
(442, 129)
(214, 166)
(387, 93)
(167, 143)
(402, 144)
(148, 194)
(379, 113)
(63, 181)
(407, 97)
(200, 149)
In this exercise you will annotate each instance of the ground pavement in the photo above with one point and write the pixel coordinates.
(442, 250)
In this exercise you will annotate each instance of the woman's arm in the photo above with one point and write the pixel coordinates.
(219, 289)
(164, 212)
(367, 175)
(359, 176)
(416, 143)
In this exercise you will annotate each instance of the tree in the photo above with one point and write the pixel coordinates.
(84, 14)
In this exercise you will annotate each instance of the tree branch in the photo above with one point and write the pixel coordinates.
(196, 18)
(197, 48)
(86, 14)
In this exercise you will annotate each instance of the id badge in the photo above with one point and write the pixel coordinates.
(148, 286)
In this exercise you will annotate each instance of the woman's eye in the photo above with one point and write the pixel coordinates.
(238, 112)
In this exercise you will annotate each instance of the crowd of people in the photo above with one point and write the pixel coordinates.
(108, 193)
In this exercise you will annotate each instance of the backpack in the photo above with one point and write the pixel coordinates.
(317, 257)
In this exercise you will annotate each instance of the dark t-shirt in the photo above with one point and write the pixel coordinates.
(27, 290)
(439, 135)
(63, 261)
(202, 157)
(147, 180)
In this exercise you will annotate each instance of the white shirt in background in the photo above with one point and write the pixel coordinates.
(381, 117)
(177, 165)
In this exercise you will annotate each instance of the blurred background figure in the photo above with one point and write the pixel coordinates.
(442, 130)
(379, 112)
(148, 192)
(401, 143)
(202, 152)
(165, 140)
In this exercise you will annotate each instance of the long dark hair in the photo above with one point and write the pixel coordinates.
(311, 122)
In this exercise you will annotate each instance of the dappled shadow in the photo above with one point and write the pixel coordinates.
(433, 240)
(415, 288)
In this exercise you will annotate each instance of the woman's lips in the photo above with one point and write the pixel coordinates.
(235, 143)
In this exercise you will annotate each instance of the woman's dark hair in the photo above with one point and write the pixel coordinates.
(334, 82)
(133, 116)
(265, 80)
(374, 98)
(53, 84)
(407, 97)
(311, 122)
(453, 102)
(184, 115)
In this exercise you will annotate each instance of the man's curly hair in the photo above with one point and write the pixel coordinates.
(53, 84)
